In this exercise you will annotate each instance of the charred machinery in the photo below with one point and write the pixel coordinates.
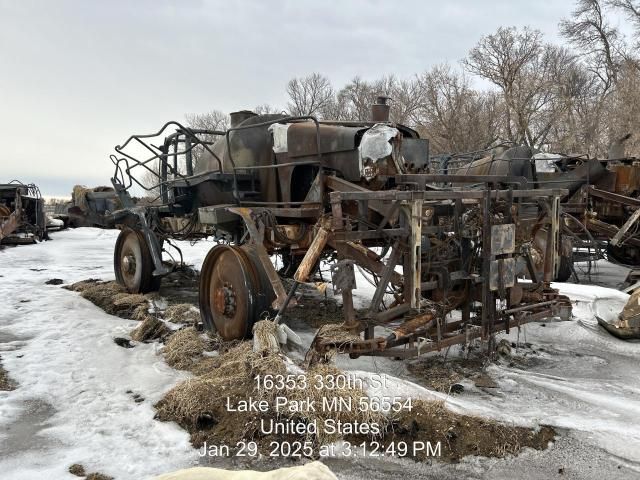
(22, 218)
(600, 210)
(447, 263)
(91, 207)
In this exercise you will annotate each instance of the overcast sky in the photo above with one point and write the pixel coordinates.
(78, 77)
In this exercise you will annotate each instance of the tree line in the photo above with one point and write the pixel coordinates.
(573, 98)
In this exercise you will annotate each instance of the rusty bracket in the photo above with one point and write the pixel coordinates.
(258, 246)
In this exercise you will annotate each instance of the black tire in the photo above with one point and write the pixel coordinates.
(133, 264)
(565, 269)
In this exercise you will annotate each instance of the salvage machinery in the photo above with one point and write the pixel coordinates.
(600, 210)
(22, 217)
(448, 263)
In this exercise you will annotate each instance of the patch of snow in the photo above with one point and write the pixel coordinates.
(66, 359)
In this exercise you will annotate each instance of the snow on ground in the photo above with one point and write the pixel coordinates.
(71, 405)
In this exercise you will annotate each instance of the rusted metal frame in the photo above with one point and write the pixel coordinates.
(415, 253)
(340, 185)
(363, 256)
(553, 233)
(435, 346)
(528, 307)
(350, 321)
(609, 230)
(258, 245)
(302, 212)
(306, 265)
(182, 130)
(385, 277)
(371, 234)
(249, 203)
(279, 165)
(392, 313)
(409, 195)
(236, 192)
(617, 238)
(439, 178)
(487, 296)
(614, 197)
(347, 297)
(388, 215)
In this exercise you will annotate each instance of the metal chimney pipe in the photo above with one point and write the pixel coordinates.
(380, 109)
(238, 117)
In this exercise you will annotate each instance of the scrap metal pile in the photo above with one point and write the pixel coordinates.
(450, 263)
(22, 217)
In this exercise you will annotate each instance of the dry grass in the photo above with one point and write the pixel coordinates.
(150, 329)
(319, 377)
(141, 312)
(77, 470)
(265, 340)
(113, 298)
(184, 349)
(6, 384)
(182, 313)
(199, 402)
(98, 476)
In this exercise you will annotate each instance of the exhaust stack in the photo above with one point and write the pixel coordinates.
(238, 117)
(380, 109)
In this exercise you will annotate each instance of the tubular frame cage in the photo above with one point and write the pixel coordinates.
(191, 138)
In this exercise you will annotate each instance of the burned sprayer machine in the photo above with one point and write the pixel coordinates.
(22, 217)
(448, 263)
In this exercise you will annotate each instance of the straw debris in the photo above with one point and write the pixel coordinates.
(6, 383)
(182, 313)
(184, 349)
(113, 298)
(150, 329)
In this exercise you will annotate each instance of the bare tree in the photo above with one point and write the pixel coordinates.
(355, 99)
(525, 70)
(599, 42)
(309, 95)
(406, 100)
(266, 109)
(452, 115)
(212, 120)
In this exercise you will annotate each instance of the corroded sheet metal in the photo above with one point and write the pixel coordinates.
(503, 239)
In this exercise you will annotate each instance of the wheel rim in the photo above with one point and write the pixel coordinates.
(131, 261)
(227, 293)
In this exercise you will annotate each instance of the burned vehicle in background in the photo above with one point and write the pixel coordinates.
(447, 262)
(600, 210)
(22, 217)
(607, 206)
(89, 207)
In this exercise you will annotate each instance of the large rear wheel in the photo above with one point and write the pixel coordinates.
(233, 293)
(133, 264)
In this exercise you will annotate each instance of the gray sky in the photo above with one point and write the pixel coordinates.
(78, 77)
